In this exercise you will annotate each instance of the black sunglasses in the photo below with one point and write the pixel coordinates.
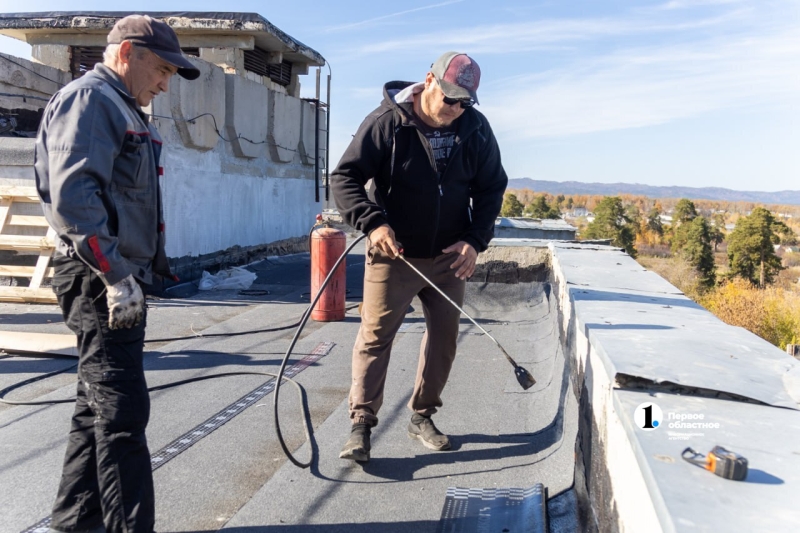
(465, 102)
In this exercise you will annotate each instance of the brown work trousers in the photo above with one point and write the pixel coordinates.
(389, 287)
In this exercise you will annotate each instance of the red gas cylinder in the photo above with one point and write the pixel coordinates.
(327, 244)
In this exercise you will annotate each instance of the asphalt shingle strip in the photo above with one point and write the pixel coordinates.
(478, 510)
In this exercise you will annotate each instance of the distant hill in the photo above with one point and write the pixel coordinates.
(693, 193)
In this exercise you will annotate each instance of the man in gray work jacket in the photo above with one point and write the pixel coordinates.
(438, 187)
(97, 168)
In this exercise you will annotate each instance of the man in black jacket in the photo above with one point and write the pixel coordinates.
(438, 185)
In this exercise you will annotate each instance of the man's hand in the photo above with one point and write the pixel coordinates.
(467, 256)
(125, 304)
(383, 238)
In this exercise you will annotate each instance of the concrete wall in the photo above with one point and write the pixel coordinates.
(238, 167)
(250, 188)
(20, 76)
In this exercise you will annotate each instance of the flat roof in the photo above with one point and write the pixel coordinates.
(48, 27)
(533, 223)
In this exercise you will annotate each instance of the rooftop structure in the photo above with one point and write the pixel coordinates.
(534, 228)
(75, 39)
(245, 157)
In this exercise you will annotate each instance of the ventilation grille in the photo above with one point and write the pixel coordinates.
(256, 61)
(84, 58)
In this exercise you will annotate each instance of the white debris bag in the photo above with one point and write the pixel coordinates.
(232, 278)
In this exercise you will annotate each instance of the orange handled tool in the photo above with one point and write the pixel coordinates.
(722, 462)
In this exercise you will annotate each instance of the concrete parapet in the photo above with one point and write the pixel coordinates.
(44, 79)
(284, 125)
(53, 55)
(204, 96)
(634, 340)
(307, 137)
(231, 60)
(510, 265)
(246, 116)
(34, 83)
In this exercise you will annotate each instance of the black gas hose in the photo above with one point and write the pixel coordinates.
(289, 352)
(279, 377)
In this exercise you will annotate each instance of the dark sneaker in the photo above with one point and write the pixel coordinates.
(357, 446)
(422, 428)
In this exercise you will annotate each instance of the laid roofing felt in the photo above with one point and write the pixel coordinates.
(231, 473)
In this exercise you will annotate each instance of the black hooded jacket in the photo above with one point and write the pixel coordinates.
(427, 211)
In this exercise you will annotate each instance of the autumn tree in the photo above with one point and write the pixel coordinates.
(697, 250)
(654, 222)
(512, 207)
(683, 214)
(718, 230)
(611, 222)
(685, 211)
(539, 208)
(634, 216)
(751, 252)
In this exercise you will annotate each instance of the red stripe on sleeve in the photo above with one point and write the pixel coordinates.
(102, 262)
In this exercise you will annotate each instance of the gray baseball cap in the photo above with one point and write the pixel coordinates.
(157, 37)
(458, 75)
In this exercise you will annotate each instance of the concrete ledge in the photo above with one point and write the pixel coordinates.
(632, 338)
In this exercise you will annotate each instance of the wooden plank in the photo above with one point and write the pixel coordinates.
(43, 262)
(25, 242)
(28, 220)
(15, 271)
(45, 245)
(16, 191)
(18, 341)
(27, 295)
(5, 207)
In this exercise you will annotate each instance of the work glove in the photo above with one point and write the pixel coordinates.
(125, 304)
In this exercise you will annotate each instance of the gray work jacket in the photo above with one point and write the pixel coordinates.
(97, 170)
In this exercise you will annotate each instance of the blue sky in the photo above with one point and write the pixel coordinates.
(671, 92)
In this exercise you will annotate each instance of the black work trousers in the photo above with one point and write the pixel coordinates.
(107, 477)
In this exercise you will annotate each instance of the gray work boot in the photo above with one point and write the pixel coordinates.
(357, 446)
(422, 428)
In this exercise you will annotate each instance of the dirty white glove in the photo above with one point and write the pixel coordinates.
(125, 303)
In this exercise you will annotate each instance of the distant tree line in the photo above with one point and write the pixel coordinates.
(690, 232)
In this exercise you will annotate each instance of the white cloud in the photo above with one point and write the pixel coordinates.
(684, 4)
(389, 16)
(648, 86)
(542, 34)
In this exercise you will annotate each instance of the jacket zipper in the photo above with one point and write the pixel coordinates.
(432, 161)
(440, 177)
